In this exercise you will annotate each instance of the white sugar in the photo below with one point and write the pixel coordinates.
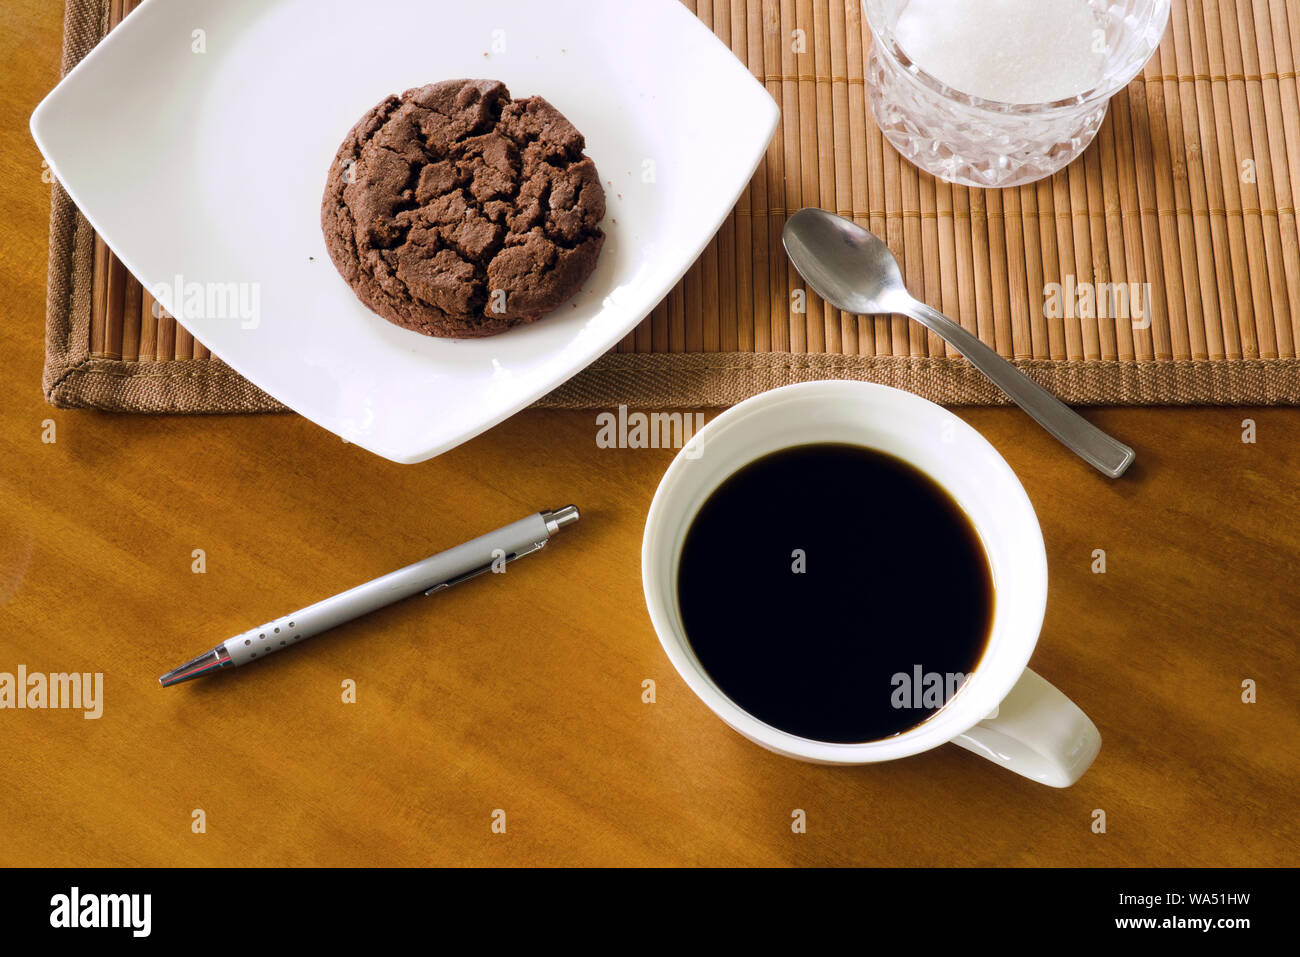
(1014, 51)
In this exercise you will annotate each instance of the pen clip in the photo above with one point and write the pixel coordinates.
(534, 547)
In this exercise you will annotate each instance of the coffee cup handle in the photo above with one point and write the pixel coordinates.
(1038, 732)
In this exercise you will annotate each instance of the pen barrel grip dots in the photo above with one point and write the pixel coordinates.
(272, 636)
(454, 564)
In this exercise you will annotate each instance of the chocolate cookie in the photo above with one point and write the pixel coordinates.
(456, 211)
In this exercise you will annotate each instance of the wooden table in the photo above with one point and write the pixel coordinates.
(525, 695)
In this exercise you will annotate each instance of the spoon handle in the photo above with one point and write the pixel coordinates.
(1074, 431)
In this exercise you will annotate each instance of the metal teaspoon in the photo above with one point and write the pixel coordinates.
(854, 271)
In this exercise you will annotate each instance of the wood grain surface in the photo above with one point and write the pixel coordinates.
(524, 693)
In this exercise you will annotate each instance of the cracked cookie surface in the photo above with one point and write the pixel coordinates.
(456, 211)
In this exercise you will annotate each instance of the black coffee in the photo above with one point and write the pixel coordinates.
(835, 592)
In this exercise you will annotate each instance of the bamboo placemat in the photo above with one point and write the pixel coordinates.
(1189, 187)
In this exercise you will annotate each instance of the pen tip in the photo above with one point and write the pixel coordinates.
(204, 664)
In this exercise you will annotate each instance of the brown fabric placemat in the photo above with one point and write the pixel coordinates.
(1189, 187)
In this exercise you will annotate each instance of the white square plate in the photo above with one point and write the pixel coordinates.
(210, 166)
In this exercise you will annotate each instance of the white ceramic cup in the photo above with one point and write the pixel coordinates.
(1004, 711)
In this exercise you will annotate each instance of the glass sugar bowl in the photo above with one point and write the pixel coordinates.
(997, 93)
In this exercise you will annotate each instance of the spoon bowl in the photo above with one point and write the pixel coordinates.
(848, 266)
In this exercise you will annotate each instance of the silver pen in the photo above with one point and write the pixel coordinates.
(434, 574)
